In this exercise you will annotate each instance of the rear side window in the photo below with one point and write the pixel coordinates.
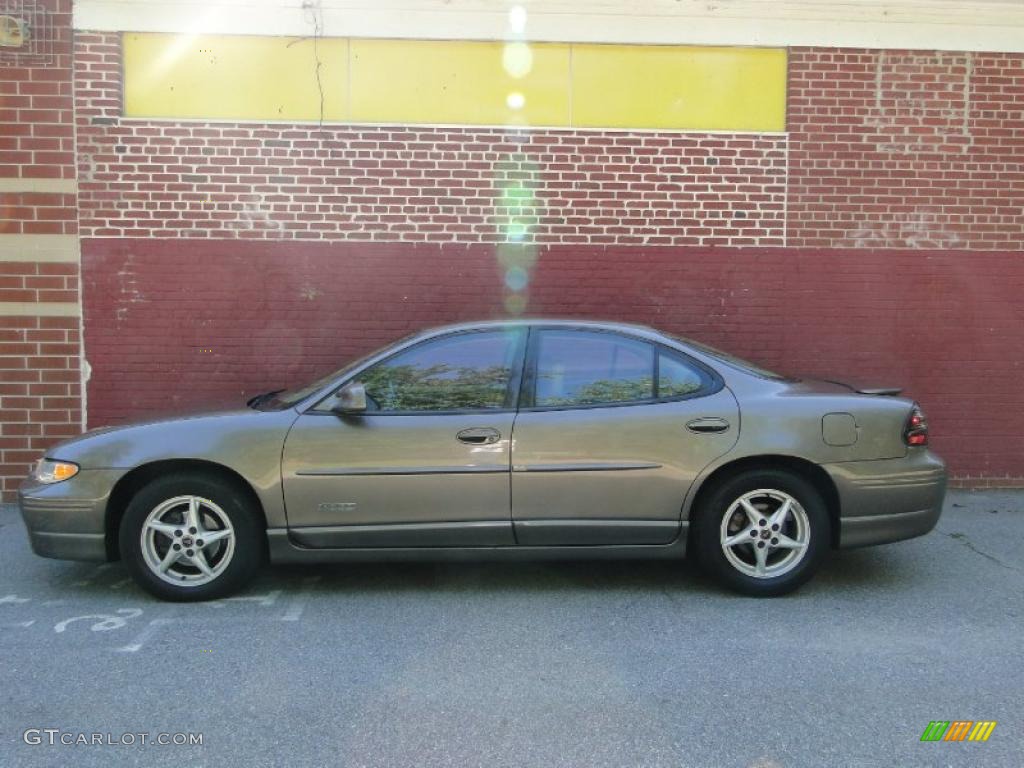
(677, 378)
(583, 368)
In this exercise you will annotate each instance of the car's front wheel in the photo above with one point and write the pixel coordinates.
(763, 532)
(190, 537)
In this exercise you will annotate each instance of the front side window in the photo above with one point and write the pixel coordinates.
(469, 371)
(585, 368)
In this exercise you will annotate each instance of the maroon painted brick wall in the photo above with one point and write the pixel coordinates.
(175, 324)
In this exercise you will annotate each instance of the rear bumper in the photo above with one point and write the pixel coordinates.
(890, 499)
(884, 529)
(67, 520)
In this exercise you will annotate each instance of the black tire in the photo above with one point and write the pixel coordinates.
(249, 549)
(710, 551)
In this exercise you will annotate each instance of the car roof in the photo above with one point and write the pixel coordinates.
(603, 325)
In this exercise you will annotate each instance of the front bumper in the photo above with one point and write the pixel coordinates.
(889, 499)
(67, 520)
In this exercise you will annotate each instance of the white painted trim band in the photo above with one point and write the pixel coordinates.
(984, 25)
(52, 248)
(39, 309)
(45, 186)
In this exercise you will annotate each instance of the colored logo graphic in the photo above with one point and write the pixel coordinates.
(958, 730)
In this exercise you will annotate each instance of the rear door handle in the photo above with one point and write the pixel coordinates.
(707, 425)
(479, 436)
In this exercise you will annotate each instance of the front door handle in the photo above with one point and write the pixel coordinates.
(707, 424)
(479, 436)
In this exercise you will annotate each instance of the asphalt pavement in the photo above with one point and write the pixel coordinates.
(548, 664)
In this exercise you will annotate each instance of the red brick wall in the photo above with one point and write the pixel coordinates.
(906, 149)
(40, 390)
(37, 213)
(881, 238)
(143, 178)
(265, 315)
(36, 130)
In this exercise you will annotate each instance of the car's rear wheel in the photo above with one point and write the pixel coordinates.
(190, 537)
(762, 532)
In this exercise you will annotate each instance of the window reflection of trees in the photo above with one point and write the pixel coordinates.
(602, 391)
(439, 387)
(619, 390)
(677, 388)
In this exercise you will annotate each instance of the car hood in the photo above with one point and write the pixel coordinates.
(220, 436)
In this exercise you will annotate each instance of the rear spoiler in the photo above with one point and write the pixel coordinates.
(879, 390)
(891, 391)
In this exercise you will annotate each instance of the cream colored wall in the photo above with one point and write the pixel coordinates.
(988, 25)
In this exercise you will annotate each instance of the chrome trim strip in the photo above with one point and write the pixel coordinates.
(356, 471)
(56, 505)
(594, 531)
(596, 522)
(465, 533)
(284, 550)
(591, 467)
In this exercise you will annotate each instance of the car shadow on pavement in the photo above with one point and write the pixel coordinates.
(869, 568)
(851, 569)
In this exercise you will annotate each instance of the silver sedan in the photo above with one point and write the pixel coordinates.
(501, 440)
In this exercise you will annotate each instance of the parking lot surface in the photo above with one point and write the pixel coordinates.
(548, 664)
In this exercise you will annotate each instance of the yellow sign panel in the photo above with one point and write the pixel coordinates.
(679, 87)
(455, 82)
(234, 77)
(427, 81)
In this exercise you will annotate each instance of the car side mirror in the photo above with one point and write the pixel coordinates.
(350, 400)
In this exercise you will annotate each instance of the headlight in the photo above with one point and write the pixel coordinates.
(50, 471)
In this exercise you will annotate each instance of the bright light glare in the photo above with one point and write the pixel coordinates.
(517, 19)
(517, 59)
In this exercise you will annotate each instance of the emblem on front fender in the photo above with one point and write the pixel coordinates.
(337, 506)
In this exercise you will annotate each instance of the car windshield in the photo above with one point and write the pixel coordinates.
(735, 362)
(289, 397)
(286, 398)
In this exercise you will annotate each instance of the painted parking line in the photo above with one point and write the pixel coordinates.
(298, 603)
(264, 601)
(140, 640)
(104, 621)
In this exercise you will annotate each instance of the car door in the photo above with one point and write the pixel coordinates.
(427, 464)
(611, 433)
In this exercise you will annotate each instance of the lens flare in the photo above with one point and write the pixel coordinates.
(515, 303)
(516, 279)
(518, 213)
(517, 19)
(515, 100)
(517, 58)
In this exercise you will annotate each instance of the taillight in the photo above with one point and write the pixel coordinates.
(916, 431)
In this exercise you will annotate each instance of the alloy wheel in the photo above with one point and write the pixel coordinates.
(187, 541)
(765, 533)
